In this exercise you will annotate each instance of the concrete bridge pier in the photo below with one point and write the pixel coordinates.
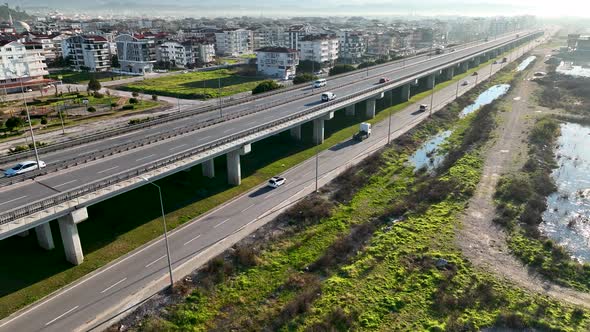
(405, 92)
(370, 111)
(318, 128)
(430, 81)
(464, 66)
(68, 227)
(209, 168)
(44, 236)
(296, 133)
(234, 172)
(388, 95)
(475, 61)
(449, 73)
(350, 110)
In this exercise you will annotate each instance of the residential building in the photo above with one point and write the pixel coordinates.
(52, 45)
(233, 42)
(268, 36)
(137, 54)
(279, 62)
(172, 53)
(87, 52)
(191, 53)
(295, 33)
(351, 46)
(21, 63)
(202, 52)
(319, 48)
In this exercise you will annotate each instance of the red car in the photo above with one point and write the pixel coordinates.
(384, 80)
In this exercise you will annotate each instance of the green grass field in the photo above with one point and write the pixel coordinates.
(114, 230)
(196, 85)
(74, 77)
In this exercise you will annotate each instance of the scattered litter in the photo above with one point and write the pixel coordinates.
(516, 98)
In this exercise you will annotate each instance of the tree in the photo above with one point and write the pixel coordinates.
(308, 66)
(266, 86)
(339, 69)
(14, 123)
(94, 84)
(135, 94)
(303, 78)
(115, 61)
(44, 120)
(366, 64)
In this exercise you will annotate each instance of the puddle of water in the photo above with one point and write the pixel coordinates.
(567, 219)
(485, 98)
(522, 66)
(427, 155)
(569, 68)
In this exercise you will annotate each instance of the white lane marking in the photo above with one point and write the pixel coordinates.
(60, 316)
(268, 196)
(86, 152)
(146, 157)
(63, 184)
(191, 240)
(113, 285)
(12, 200)
(108, 169)
(154, 262)
(203, 138)
(177, 127)
(244, 210)
(177, 147)
(221, 223)
(115, 137)
(229, 129)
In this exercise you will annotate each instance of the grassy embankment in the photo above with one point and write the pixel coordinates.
(522, 196)
(114, 230)
(197, 85)
(374, 253)
(83, 77)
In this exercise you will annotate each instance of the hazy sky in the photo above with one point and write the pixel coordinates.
(324, 7)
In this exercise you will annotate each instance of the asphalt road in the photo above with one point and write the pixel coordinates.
(20, 194)
(143, 272)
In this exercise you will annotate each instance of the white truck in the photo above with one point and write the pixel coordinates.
(364, 132)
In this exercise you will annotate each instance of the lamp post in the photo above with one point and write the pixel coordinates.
(390, 114)
(432, 94)
(165, 229)
(22, 90)
(317, 166)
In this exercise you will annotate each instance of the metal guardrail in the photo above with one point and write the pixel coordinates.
(100, 184)
(181, 114)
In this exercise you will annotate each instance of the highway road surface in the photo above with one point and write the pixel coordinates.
(17, 195)
(118, 286)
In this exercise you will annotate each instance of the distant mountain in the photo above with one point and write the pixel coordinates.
(16, 15)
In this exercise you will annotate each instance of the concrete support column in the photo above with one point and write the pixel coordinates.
(44, 236)
(449, 73)
(209, 168)
(350, 110)
(388, 97)
(318, 131)
(296, 133)
(68, 227)
(476, 62)
(234, 171)
(23, 234)
(430, 81)
(370, 112)
(405, 91)
(464, 66)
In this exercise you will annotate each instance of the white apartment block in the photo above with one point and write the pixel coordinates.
(52, 45)
(319, 48)
(173, 53)
(87, 52)
(269, 36)
(136, 54)
(278, 62)
(352, 46)
(21, 63)
(382, 44)
(234, 42)
(202, 53)
(295, 34)
(186, 54)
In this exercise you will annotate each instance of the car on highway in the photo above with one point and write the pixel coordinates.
(29, 90)
(465, 83)
(23, 167)
(276, 181)
(320, 83)
(327, 96)
(474, 73)
(384, 80)
(423, 108)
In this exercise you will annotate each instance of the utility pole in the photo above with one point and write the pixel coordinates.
(63, 129)
(317, 166)
(390, 114)
(432, 95)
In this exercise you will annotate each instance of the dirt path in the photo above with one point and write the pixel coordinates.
(481, 241)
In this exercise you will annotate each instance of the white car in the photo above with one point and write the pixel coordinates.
(23, 167)
(276, 181)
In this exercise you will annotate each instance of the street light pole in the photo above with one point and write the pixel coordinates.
(165, 229)
(317, 166)
(63, 129)
(22, 90)
(390, 114)
(432, 95)
(457, 93)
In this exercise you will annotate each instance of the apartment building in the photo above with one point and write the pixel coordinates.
(278, 62)
(87, 52)
(52, 45)
(202, 52)
(319, 48)
(190, 53)
(295, 34)
(137, 54)
(267, 36)
(172, 53)
(233, 42)
(21, 63)
(381, 44)
(351, 46)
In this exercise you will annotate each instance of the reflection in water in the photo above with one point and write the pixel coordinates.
(427, 155)
(567, 219)
(522, 66)
(485, 98)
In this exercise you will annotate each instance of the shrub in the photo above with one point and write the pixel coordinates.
(98, 95)
(127, 107)
(366, 64)
(14, 123)
(113, 104)
(91, 109)
(135, 94)
(154, 97)
(303, 78)
(265, 86)
(340, 69)
(44, 120)
(133, 101)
